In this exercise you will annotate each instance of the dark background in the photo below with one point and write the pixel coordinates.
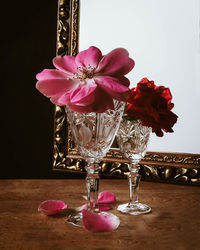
(28, 44)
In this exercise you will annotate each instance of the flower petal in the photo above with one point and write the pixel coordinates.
(55, 87)
(85, 197)
(113, 87)
(51, 74)
(96, 106)
(102, 207)
(84, 94)
(125, 81)
(106, 197)
(90, 56)
(50, 207)
(66, 64)
(56, 100)
(103, 101)
(80, 109)
(79, 209)
(61, 100)
(152, 105)
(115, 63)
(99, 223)
(85, 101)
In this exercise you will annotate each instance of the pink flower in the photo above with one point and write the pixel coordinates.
(88, 82)
(99, 223)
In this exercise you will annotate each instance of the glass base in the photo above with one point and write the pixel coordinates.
(134, 208)
(76, 219)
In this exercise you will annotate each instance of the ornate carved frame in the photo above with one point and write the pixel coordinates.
(161, 167)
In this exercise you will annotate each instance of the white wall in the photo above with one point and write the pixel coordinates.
(163, 37)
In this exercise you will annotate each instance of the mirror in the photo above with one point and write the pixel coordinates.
(163, 39)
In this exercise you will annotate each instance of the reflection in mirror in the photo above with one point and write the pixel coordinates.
(163, 37)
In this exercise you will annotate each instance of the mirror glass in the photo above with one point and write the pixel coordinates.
(163, 37)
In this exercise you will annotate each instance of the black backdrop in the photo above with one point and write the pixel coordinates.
(28, 44)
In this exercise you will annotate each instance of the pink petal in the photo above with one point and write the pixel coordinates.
(56, 100)
(106, 197)
(81, 106)
(113, 87)
(80, 109)
(101, 103)
(51, 74)
(55, 87)
(90, 108)
(84, 94)
(91, 56)
(79, 209)
(66, 64)
(115, 63)
(125, 81)
(85, 197)
(50, 207)
(61, 100)
(99, 223)
(103, 207)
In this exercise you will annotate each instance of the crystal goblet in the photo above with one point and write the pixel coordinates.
(133, 139)
(93, 134)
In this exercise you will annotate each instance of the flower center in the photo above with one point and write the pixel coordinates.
(84, 73)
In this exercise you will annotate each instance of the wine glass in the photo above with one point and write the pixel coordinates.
(93, 134)
(133, 139)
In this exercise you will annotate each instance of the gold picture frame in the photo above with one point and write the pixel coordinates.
(178, 168)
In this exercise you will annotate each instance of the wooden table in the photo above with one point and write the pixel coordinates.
(174, 222)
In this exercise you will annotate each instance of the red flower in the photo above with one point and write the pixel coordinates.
(152, 105)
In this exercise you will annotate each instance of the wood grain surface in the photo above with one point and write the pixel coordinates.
(174, 222)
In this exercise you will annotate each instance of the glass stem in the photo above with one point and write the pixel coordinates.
(92, 185)
(134, 180)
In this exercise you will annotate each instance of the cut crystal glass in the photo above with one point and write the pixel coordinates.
(93, 135)
(133, 140)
